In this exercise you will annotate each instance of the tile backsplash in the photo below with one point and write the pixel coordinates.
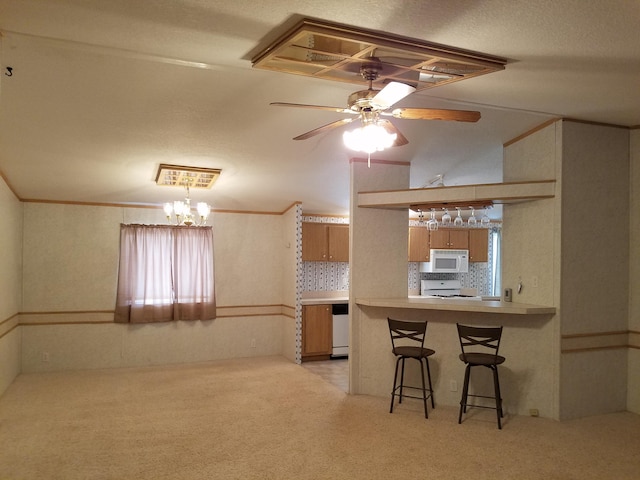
(334, 276)
(325, 276)
(478, 277)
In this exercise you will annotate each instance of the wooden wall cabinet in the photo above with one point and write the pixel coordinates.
(444, 238)
(479, 245)
(323, 242)
(317, 332)
(418, 244)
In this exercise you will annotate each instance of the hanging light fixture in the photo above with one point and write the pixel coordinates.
(181, 213)
(369, 138)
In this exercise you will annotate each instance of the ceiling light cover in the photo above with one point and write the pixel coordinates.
(369, 139)
(192, 177)
(336, 52)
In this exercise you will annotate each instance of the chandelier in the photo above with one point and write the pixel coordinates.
(181, 213)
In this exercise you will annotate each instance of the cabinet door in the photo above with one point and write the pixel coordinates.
(459, 239)
(449, 238)
(418, 244)
(317, 330)
(338, 243)
(439, 239)
(314, 242)
(479, 245)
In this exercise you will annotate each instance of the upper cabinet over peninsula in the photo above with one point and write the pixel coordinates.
(458, 196)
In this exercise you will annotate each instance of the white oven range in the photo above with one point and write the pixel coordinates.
(444, 289)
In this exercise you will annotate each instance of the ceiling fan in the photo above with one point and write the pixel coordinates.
(372, 104)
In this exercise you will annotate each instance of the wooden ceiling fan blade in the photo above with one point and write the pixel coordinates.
(391, 128)
(392, 93)
(435, 114)
(324, 128)
(316, 107)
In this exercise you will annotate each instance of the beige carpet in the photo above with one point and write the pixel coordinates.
(270, 419)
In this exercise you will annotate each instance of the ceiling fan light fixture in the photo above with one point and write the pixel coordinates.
(369, 138)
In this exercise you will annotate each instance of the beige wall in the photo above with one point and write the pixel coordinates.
(595, 293)
(560, 243)
(292, 288)
(70, 274)
(378, 268)
(530, 252)
(10, 284)
(633, 379)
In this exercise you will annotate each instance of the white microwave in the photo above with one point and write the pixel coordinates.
(446, 261)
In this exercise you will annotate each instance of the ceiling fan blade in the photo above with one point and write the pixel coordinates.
(324, 128)
(391, 128)
(435, 114)
(316, 107)
(392, 93)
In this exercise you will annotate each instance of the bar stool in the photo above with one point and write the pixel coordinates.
(480, 349)
(407, 340)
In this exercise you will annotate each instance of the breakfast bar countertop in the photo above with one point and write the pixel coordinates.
(457, 304)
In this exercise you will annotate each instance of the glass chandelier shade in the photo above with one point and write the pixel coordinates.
(181, 213)
(369, 138)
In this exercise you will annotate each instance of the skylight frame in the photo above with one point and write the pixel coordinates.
(299, 51)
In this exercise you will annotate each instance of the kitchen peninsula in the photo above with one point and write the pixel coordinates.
(378, 290)
(583, 348)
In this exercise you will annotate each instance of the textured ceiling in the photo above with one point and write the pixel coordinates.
(103, 92)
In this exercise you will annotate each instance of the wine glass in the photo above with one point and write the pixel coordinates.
(472, 219)
(446, 218)
(432, 224)
(458, 222)
(485, 220)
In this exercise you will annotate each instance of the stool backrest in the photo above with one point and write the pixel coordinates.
(479, 339)
(403, 332)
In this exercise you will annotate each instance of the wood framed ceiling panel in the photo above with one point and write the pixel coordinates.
(336, 52)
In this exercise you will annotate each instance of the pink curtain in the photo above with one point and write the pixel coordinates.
(166, 273)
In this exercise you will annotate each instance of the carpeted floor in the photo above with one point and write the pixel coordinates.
(267, 418)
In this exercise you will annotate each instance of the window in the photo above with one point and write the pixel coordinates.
(165, 273)
(495, 265)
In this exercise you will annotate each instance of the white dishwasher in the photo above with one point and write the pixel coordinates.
(340, 314)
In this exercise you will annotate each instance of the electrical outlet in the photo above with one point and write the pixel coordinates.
(453, 386)
(534, 281)
(45, 356)
(253, 343)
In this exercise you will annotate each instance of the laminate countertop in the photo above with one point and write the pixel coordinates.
(457, 304)
(324, 301)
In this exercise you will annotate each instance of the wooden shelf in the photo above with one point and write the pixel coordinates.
(458, 196)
